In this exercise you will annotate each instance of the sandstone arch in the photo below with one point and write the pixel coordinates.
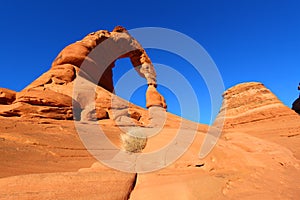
(119, 44)
(39, 99)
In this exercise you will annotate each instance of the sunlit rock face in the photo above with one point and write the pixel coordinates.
(55, 93)
(250, 102)
(109, 46)
(256, 157)
(7, 96)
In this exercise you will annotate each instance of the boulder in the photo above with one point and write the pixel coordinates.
(7, 96)
(64, 72)
(93, 114)
(135, 115)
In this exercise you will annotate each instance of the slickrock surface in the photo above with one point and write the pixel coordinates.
(257, 156)
(258, 159)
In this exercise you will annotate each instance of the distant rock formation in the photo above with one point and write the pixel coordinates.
(51, 95)
(296, 105)
(249, 102)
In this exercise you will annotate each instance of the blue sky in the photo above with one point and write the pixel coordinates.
(249, 40)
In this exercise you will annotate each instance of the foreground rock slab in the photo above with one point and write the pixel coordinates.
(106, 184)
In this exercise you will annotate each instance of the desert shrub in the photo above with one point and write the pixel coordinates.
(134, 141)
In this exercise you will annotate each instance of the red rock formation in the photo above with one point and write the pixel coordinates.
(256, 157)
(88, 58)
(153, 98)
(7, 96)
(44, 97)
(119, 41)
(250, 102)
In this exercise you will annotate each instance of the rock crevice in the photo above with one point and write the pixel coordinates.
(132, 186)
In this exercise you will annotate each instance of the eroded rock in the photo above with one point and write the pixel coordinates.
(44, 97)
(90, 59)
(154, 98)
(21, 109)
(7, 96)
(64, 72)
(114, 45)
(250, 102)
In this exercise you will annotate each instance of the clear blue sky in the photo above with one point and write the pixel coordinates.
(249, 40)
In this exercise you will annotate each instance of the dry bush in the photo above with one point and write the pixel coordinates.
(134, 141)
